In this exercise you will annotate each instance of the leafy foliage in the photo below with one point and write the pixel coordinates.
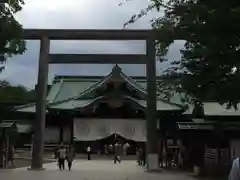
(10, 30)
(210, 63)
(15, 94)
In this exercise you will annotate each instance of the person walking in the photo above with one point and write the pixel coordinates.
(160, 160)
(139, 156)
(89, 149)
(70, 157)
(169, 158)
(10, 156)
(117, 153)
(61, 157)
(143, 156)
(235, 170)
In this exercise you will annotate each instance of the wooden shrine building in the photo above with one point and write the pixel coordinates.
(92, 109)
(88, 108)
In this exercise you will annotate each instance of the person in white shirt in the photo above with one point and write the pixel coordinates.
(235, 170)
(61, 157)
(89, 152)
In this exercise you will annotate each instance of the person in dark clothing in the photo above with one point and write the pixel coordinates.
(143, 159)
(10, 156)
(169, 158)
(70, 157)
(139, 156)
(160, 160)
(117, 159)
(117, 153)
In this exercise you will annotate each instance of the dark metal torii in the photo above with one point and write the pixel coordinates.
(45, 35)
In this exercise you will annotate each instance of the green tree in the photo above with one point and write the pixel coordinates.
(210, 61)
(10, 94)
(10, 30)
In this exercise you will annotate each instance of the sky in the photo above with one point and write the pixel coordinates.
(80, 14)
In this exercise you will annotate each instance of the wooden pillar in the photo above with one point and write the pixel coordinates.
(152, 142)
(61, 129)
(72, 130)
(38, 140)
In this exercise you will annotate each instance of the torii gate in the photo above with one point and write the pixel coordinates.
(45, 35)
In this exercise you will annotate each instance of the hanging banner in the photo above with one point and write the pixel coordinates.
(97, 129)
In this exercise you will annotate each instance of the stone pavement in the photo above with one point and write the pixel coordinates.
(92, 170)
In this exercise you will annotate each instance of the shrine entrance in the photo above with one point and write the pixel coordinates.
(148, 58)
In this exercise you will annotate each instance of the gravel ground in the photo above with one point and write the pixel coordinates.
(23, 162)
(94, 170)
(26, 162)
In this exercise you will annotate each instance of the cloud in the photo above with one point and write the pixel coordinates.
(78, 14)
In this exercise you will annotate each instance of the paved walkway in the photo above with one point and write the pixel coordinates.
(92, 170)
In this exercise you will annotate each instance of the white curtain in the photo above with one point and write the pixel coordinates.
(96, 129)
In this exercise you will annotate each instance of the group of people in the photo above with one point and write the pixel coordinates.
(65, 154)
(116, 150)
(171, 158)
(7, 156)
(166, 159)
(109, 148)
